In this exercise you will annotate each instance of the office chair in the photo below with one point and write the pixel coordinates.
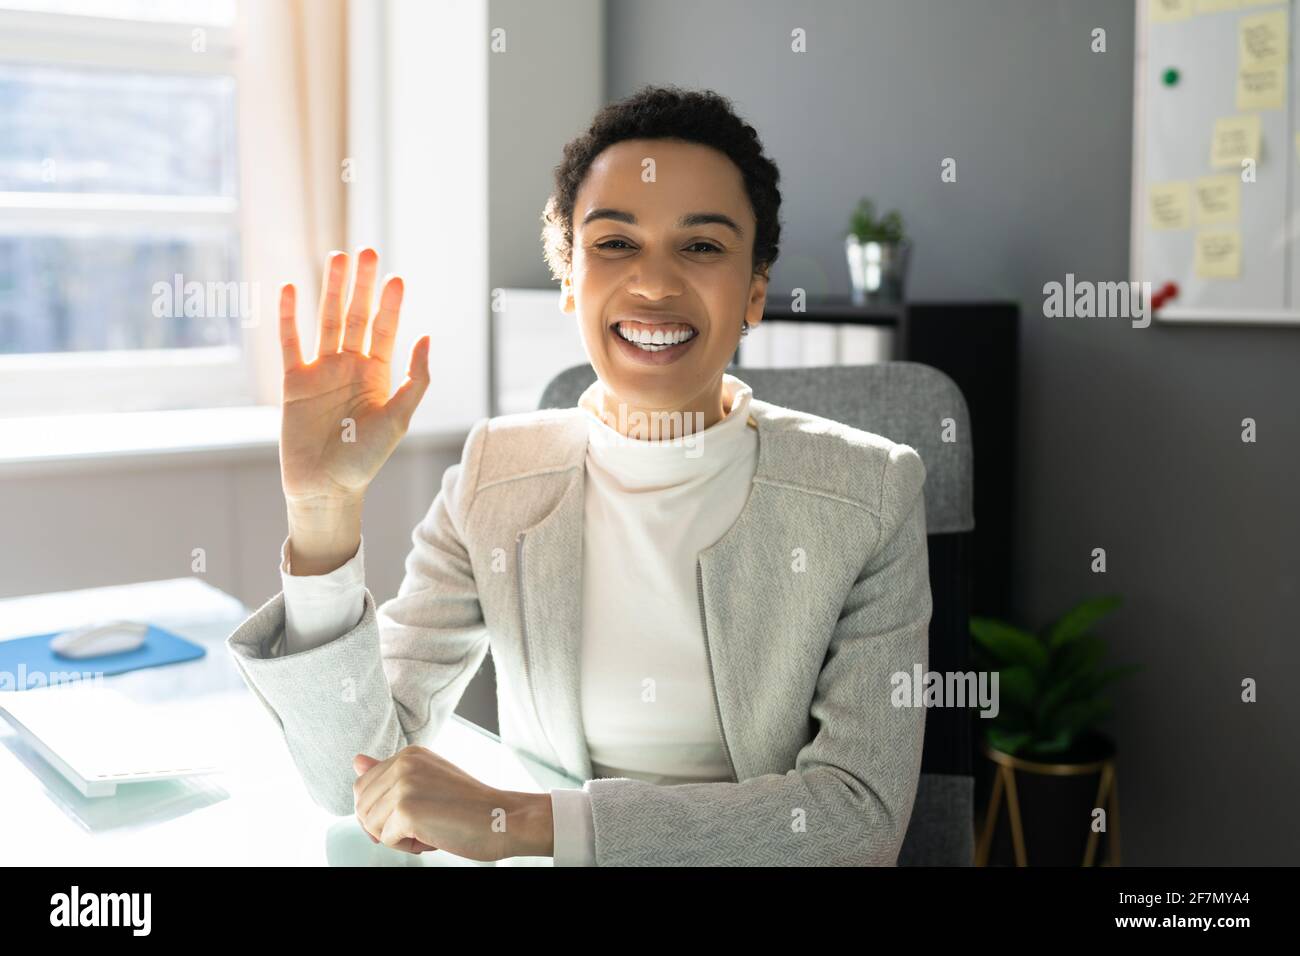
(910, 403)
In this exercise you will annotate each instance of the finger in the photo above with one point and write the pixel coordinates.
(412, 845)
(384, 330)
(364, 829)
(397, 830)
(372, 793)
(407, 398)
(363, 290)
(363, 762)
(388, 819)
(290, 349)
(361, 822)
(369, 785)
(331, 304)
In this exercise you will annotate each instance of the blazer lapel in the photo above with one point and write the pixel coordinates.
(731, 622)
(551, 588)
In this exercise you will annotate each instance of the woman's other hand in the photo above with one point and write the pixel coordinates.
(416, 801)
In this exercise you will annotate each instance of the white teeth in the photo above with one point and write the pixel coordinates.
(655, 341)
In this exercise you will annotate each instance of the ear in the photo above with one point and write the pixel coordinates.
(567, 304)
(757, 298)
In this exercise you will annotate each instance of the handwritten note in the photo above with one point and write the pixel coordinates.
(1166, 11)
(1218, 254)
(1218, 199)
(1171, 204)
(1262, 88)
(1262, 40)
(1235, 138)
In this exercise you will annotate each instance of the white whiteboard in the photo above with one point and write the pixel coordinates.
(1174, 128)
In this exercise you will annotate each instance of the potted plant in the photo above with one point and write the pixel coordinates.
(1049, 767)
(878, 252)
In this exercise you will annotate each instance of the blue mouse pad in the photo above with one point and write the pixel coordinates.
(28, 662)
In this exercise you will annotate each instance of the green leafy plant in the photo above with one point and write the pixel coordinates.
(864, 224)
(1050, 683)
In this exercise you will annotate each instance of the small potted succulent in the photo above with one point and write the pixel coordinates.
(878, 252)
(1048, 767)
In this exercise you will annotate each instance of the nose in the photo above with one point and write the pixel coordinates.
(654, 275)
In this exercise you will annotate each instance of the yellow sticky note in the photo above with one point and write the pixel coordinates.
(1297, 146)
(1261, 88)
(1217, 6)
(1218, 199)
(1262, 40)
(1235, 138)
(1171, 204)
(1218, 254)
(1166, 11)
(1260, 3)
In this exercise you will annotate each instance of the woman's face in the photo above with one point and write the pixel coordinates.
(663, 237)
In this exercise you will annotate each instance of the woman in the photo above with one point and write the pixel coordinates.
(695, 600)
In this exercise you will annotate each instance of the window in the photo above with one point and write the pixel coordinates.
(119, 207)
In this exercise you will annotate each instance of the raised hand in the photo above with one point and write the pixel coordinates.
(339, 424)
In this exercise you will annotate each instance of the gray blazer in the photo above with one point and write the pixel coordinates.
(810, 604)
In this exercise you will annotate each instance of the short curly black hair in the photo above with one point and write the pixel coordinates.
(666, 112)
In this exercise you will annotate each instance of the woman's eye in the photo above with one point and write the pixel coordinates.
(621, 244)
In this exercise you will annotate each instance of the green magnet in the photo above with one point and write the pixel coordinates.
(1171, 77)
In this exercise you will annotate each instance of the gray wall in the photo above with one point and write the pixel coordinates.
(541, 91)
(1130, 437)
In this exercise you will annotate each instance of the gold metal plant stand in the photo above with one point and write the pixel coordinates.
(1005, 780)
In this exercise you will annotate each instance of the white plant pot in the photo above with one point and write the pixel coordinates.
(877, 270)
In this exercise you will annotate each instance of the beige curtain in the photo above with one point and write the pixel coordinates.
(293, 144)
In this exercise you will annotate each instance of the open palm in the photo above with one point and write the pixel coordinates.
(339, 424)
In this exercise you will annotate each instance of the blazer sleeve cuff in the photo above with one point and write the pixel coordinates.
(330, 702)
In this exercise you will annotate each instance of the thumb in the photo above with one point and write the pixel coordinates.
(406, 398)
(361, 763)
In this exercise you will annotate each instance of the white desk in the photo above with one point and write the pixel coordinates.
(256, 811)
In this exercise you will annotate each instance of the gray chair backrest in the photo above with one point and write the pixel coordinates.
(904, 401)
(919, 406)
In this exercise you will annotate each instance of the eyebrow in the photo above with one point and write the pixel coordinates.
(690, 219)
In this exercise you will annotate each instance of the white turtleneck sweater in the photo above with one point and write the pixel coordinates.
(650, 507)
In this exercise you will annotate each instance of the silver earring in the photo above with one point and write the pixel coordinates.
(744, 327)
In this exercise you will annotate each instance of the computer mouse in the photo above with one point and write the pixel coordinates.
(98, 640)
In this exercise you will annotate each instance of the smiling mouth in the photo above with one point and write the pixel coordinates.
(655, 339)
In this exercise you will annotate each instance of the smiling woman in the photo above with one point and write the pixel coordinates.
(721, 704)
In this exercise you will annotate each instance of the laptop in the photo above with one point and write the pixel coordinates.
(98, 738)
